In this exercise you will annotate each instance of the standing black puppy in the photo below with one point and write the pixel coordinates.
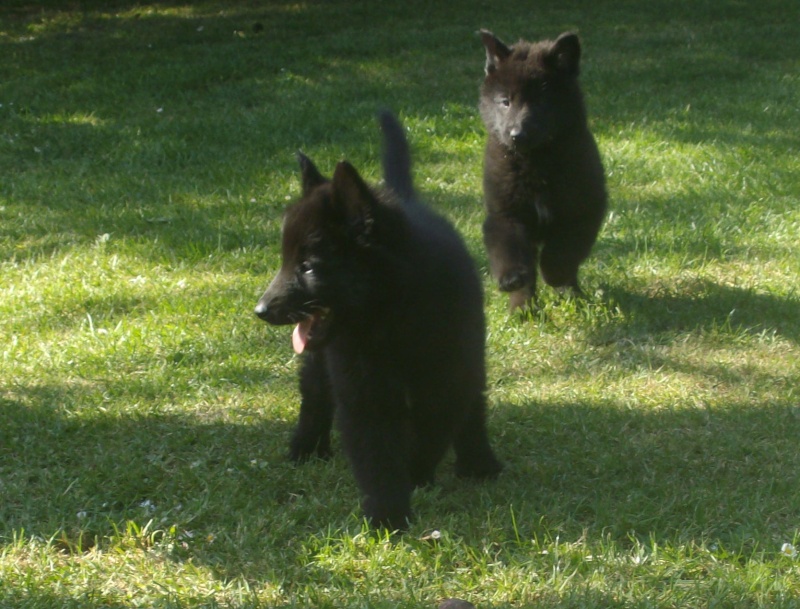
(389, 314)
(543, 179)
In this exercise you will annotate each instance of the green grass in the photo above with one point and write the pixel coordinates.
(650, 434)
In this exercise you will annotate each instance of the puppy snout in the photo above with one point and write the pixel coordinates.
(273, 312)
(274, 305)
(262, 310)
(269, 306)
(518, 134)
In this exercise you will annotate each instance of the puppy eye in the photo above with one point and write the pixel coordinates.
(306, 268)
(505, 102)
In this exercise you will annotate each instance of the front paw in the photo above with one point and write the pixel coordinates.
(514, 280)
(487, 467)
(301, 449)
(391, 514)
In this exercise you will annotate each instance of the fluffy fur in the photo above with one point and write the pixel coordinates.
(389, 315)
(544, 187)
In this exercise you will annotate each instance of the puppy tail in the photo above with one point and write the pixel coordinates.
(396, 157)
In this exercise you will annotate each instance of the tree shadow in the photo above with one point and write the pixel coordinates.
(677, 475)
(701, 305)
(223, 481)
(78, 478)
(226, 90)
(226, 490)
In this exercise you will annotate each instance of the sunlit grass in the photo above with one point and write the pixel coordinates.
(649, 433)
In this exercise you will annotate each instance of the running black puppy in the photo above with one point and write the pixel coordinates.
(543, 180)
(389, 314)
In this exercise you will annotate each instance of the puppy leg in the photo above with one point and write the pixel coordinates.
(374, 436)
(313, 431)
(561, 257)
(432, 437)
(474, 456)
(522, 300)
(512, 258)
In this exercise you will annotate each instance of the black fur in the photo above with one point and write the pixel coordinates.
(390, 318)
(544, 186)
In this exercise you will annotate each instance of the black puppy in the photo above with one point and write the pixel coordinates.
(389, 315)
(543, 180)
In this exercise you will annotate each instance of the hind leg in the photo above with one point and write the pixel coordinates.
(313, 432)
(561, 258)
(435, 430)
(474, 455)
(512, 259)
(432, 436)
(430, 448)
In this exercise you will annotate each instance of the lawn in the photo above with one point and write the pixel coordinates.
(650, 433)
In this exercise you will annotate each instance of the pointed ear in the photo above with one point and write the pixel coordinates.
(565, 56)
(353, 199)
(496, 50)
(309, 174)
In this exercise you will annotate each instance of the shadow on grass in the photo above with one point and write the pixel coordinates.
(674, 473)
(233, 502)
(705, 306)
(123, 121)
(81, 477)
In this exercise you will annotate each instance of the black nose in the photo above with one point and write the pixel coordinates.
(261, 311)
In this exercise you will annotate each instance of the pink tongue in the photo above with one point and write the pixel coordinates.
(300, 335)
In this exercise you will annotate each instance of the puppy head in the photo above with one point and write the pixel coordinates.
(323, 234)
(530, 93)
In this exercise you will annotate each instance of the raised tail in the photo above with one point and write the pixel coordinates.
(396, 157)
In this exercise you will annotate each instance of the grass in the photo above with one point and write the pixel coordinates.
(650, 434)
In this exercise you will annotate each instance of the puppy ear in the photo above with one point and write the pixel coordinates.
(309, 174)
(496, 50)
(353, 199)
(566, 54)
